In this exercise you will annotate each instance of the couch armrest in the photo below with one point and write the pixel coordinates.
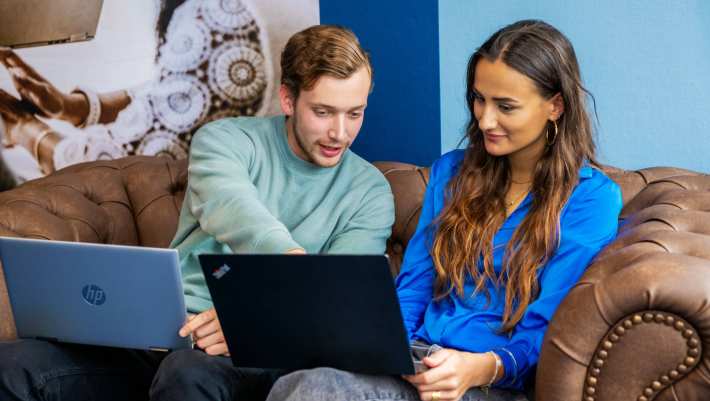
(637, 325)
(637, 332)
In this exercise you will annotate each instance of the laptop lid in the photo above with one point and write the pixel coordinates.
(40, 22)
(306, 311)
(111, 295)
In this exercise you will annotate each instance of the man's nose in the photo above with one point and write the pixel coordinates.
(337, 130)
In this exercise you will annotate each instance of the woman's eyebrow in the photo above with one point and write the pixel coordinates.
(497, 99)
(505, 99)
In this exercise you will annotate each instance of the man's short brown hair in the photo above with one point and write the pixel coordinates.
(321, 50)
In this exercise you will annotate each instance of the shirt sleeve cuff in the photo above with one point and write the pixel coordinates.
(511, 368)
(276, 241)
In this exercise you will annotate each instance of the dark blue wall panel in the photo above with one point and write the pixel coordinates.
(403, 117)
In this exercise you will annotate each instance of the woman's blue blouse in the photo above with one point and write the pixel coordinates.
(471, 323)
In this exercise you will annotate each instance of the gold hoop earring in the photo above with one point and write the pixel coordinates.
(547, 134)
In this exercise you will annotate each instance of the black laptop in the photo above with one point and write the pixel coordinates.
(305, 311)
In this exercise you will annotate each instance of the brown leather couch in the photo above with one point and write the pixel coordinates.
(634, 328)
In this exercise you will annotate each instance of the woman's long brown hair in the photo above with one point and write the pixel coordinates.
(475, 198)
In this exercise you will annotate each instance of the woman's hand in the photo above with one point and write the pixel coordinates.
(21, 126)
(451, 373)
(206, 332)
(46, 99)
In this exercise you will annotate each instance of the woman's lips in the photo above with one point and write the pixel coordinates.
(495, 137)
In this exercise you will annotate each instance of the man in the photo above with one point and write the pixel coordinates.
(284, 184)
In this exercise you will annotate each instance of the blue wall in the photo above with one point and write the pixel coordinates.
(402, 121)
(646, 62)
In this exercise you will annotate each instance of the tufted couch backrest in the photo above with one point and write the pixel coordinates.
(137, 200)
(131, 201)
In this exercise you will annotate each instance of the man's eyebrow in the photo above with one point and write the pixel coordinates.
(331, 108)
(322, 106)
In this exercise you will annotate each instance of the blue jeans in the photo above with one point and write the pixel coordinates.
(325, 384)
(32, 370)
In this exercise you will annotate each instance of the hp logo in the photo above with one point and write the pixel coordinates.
(93, 294)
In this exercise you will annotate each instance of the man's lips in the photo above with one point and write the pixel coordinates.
(329, 151)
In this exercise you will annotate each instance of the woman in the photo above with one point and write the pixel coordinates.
(212, 63)
(508, 225)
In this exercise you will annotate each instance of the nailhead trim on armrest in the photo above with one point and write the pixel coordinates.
(618, 331)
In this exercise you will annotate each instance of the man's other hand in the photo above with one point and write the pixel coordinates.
(206, 332)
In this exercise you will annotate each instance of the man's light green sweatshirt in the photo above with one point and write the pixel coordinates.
(248, 192)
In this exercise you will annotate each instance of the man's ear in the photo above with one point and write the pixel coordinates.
(287, 100)
(557, 107)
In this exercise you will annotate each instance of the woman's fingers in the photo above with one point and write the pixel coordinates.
(38, 92)
(439, 395)
(440, 376)
(33, 87)
(438, 368)
(12, 60)
(438, 358)
(10, 106)
(448, 384)
(434, 379)
(5, 53)
(6, 101)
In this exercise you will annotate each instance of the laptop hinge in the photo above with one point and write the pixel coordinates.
(76, 37)
(159, 349)
(50, 339)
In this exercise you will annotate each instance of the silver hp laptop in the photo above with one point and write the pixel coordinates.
(42, 22)
(111, 295)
